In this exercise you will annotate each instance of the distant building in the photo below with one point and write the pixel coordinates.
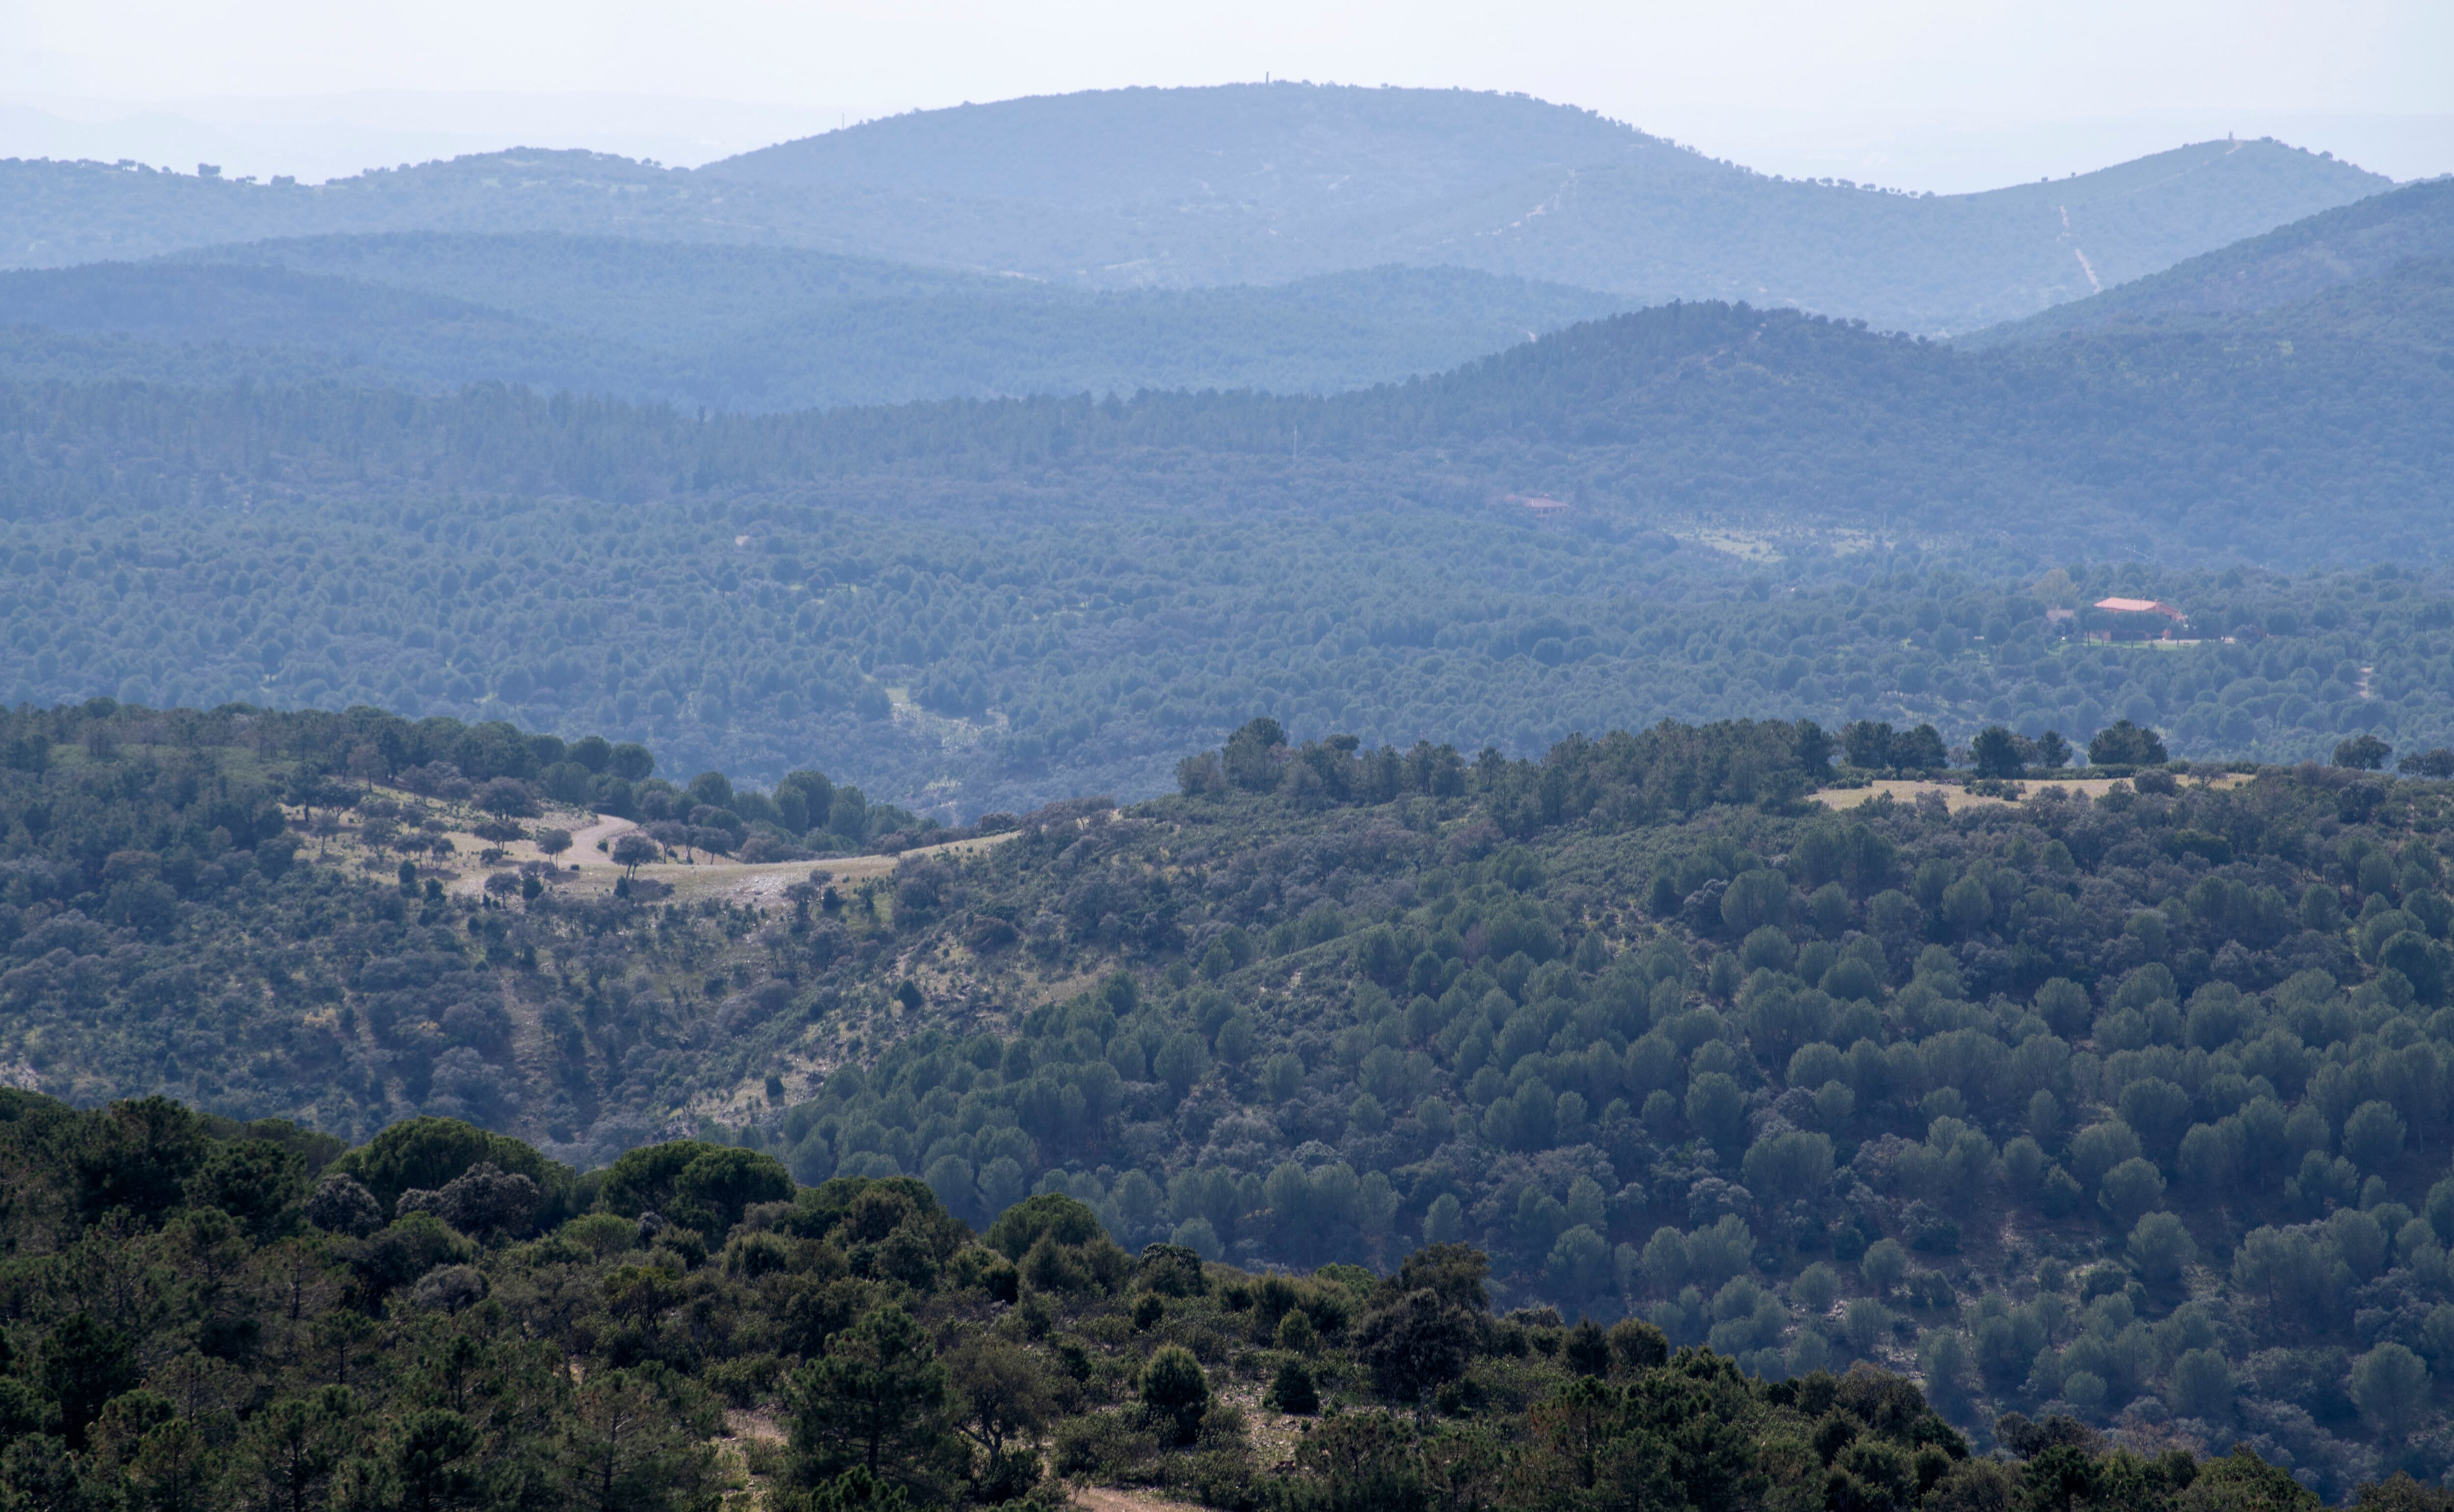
(2141, 606)
(1544, 507)
(2146, 612)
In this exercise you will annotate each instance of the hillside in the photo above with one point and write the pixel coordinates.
(981, 606)
(1266, 183)
(741, 329)
(262, 320)
(2125, 1101)
(1747, 417)
(2362, 242)
(1078, 655)
(690, 1331)
(1259, 182)
(1265, 798)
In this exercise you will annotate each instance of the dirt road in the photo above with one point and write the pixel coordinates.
(589, 864)
(1956, 798)
(760, 884)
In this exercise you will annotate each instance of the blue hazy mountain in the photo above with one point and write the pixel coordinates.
(1268, 184)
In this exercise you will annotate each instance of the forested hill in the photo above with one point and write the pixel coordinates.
(987, 605)
(734, 329)
(440, 1318)
(1257, 181)
(1251, 184)
(1294, 152)
(212, 325)
(2127, 1103)
(2363, 241)
(1743, 417)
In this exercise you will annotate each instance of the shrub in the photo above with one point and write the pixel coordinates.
(2389, 1384)
(2202, 1385)
(2131, 1189)
(2160, 1248)
(1883, 1265)
(2373, 1135)
(1292, 1390)
(1174, 1393)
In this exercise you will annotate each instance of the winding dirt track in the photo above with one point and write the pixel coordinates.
(760, 884)
(1957, 797)
(1108, 1499)
(584, 842)
(588, 868)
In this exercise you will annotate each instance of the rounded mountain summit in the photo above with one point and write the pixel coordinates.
(1262, 183)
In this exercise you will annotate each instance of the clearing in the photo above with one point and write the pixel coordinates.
(758, 884)
(587, 868)
(1956, 798)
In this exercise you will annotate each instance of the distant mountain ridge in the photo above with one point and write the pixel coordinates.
(1289, 151)
(416, 339)
(1259, 181)
(2363, 240)
(1267, 183)
(734, 328)
(2310, 434)
(1113, 573)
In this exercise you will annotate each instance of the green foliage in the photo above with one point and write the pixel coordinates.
(1293, 1390)
(690, 326)
(565, 1372)
(1788, 1166)
(429, 1153)
(2360, 241)
(1472, 1019)
(2160, 1247)
(702, 1186)
(872, 1400)
(1094, 643)
(308, 987)
(1175, 1392)
(139, 1158)
(1051, 1216)
(2388, 1385)
(2123, 743)
(256, 1181)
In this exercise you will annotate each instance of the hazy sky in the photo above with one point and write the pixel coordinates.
(1921, 87)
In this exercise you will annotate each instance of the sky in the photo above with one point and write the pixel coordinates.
(1907, 93)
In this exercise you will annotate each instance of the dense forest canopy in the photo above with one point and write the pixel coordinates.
(1682, 415)
(215, 1316)
(736, 328)
(978, 606)
(1694, 510)
(2127, 1104)
(247, 978)
(1711, 910)
(955, 675)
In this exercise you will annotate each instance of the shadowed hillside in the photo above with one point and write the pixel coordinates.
(736, 327)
